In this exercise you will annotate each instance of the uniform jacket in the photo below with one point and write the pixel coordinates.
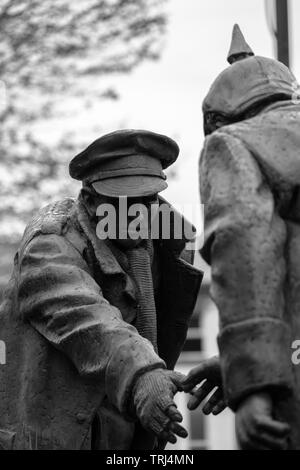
(250, 177)
(72, 352)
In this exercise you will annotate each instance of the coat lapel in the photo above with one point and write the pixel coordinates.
(106, 260)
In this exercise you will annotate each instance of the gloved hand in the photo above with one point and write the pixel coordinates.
(153, 402)
(208, 370)
(255, 427)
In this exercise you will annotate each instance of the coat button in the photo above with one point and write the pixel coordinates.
(80, 418)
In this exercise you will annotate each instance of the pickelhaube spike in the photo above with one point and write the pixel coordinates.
(239, 49)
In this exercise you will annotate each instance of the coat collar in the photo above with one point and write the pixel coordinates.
(104, 255)
(107, 262)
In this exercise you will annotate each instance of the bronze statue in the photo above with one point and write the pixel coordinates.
(93, 327)
(249, 183)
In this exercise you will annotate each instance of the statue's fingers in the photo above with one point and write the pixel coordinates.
(241, 438)
(264, 441)
(247, 441)
(216, 397)
(275, 428)
(164, 424)
(219, 408)
(168, 436)
(158, 424)
(199, 395)
(178, 429)
(194, 377)
(173, 413)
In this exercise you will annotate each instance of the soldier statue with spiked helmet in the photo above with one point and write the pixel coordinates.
(249, 183)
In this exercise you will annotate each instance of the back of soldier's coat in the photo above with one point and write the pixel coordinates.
(250, 178)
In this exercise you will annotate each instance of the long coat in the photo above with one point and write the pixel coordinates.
(72, 353)
(250, 179)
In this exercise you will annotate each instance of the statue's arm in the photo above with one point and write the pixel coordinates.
(61, 300)
(244, 244)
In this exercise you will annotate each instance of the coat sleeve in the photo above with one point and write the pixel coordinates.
(61, 300)
(244, 242)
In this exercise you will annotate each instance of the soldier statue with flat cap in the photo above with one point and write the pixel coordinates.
(249, 183)
(93, 327)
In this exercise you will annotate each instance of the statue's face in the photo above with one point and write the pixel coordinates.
(216, 120)
(213, 121)
(130, 218)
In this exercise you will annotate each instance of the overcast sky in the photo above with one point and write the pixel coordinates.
(166, 96)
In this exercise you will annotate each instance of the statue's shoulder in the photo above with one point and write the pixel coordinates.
(51, 219)
(220, 142)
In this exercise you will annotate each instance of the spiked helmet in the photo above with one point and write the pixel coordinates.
(248, 81)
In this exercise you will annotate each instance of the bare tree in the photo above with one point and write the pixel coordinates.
(51, 51)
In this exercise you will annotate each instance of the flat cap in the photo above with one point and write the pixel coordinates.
(126, 163)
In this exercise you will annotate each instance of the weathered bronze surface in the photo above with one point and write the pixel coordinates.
(84, 368)
(249, 183)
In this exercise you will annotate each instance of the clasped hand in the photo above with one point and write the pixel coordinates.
(153, 397)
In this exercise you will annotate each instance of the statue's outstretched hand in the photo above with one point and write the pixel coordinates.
(256, 429)
(153, 400)
(209, 373)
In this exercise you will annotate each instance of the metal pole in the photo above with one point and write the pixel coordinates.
(282, 36)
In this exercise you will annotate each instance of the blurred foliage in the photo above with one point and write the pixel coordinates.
(51, 52)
